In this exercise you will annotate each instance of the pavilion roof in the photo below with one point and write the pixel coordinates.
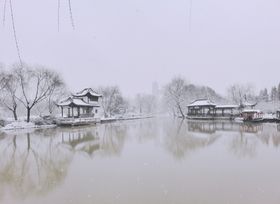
(77, 102)
(86, 91)
(227, 106)
(248, 104)
(251, 111)
(202, 102)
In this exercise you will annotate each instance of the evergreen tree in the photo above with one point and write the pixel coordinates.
(263, 96)
(278, 92)
(273, 93)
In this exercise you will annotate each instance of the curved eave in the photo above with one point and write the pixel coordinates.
(82, 95)
(77, 105)
(227, 107)
(201, 106)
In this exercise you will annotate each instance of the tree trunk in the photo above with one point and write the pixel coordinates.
(181, 111)
(28, 114)
(15, 114)
(28, 141)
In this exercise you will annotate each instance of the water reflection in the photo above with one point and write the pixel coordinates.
(182, 138)
(243, 137)
(31, 164)
(35, 163)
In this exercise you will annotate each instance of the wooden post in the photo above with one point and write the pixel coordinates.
(72, 112)
(62, 111)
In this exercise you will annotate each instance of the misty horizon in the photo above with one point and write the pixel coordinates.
(134, 44)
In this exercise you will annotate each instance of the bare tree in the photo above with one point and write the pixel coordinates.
(55, 96)
(36, 85)
(273, 93)
(176, 95)
(112, 101)
(241, 93)
(2, 77)
(8, 94)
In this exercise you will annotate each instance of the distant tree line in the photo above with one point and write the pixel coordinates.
(178, 93)
(273, 95)
(37, 88)
(40, 88)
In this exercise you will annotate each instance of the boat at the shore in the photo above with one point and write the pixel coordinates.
(250, 115)
(278, 116)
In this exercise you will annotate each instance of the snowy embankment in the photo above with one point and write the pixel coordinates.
(20, 125)
(125, 117)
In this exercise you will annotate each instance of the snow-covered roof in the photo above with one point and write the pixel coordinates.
(202, 102)
(251, 111)
(246, 103)
(86, 91)
(78, 102)
(227, 106)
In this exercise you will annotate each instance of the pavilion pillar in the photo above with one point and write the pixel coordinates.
(72, 112)
(62, 111)
(78, 111)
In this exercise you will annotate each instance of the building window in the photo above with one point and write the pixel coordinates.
(96, 111)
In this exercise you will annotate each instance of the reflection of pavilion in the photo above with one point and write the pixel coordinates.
(80, 140)
(251, 128)
(213, 126)
(182, 144)
(202, 127)
(185, 137)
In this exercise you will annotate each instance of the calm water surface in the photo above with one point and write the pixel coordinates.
(153, 161)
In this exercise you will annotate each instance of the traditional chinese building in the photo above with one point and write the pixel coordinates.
(278, 114)
(206, 109)
(247, 105)
(201, 108)
(82, 105)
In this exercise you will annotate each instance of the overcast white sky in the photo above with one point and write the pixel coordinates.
(133, 43)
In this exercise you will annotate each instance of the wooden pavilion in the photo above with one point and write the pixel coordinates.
(206, 109)
(82, 105)
(201, 108)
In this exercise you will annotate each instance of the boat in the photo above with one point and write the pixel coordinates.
(252, 115)
(278, 116)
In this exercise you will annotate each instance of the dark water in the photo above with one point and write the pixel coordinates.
(144, 161)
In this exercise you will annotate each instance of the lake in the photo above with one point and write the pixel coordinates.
(158, 160)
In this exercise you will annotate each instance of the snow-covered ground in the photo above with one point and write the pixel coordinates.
(127, 117)
(269, 116)
(18, 125)
(268, 107)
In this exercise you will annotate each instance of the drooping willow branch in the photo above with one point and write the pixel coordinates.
(190, 16)
(4, 12)
(58, 14)
(71, 14)
(15, 33)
